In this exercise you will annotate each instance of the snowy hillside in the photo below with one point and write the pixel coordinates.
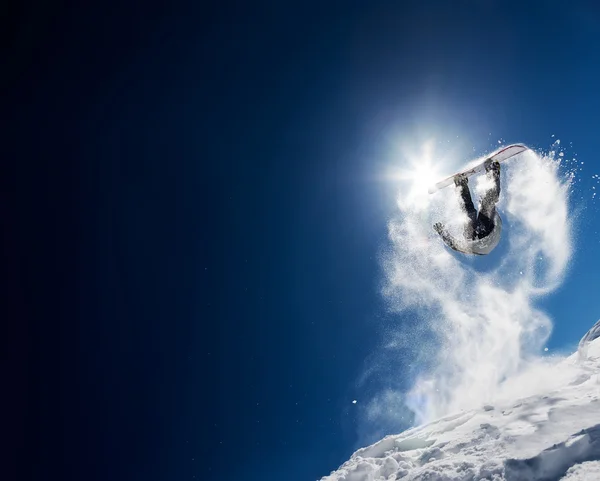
(552, 433)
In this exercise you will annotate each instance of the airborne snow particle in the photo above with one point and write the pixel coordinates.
(546, 349)
(354, 402)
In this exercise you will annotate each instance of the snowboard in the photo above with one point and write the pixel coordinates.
(478, 165)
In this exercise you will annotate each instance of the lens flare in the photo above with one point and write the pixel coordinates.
(417, 174)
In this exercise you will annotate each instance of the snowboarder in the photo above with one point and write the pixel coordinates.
(482, 231)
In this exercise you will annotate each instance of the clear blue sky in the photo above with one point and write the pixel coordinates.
(198, 215)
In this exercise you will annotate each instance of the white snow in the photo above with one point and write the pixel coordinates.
(488, 404)
(551, 435)
(475, 328)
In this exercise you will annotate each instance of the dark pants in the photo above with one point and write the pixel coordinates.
(480, 225)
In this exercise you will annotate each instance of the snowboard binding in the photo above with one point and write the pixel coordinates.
(492, 166)
(461, 180)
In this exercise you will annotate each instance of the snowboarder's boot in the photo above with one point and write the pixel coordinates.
(461, 180)
(493, 167)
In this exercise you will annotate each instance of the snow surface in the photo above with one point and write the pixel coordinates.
(551, 435)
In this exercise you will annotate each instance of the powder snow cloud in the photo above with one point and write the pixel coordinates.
(471, 327)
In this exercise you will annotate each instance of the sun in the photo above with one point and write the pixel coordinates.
(417, 173)
(422, 175)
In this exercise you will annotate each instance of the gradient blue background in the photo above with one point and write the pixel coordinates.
(192, 213)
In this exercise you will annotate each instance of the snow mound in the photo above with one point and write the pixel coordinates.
(586, 343)
(552, 435)
(583, 472)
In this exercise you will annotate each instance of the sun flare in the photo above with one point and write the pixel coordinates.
(422, 175)
(417, 174)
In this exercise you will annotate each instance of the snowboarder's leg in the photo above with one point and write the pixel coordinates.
(487, 208)
(466, 203)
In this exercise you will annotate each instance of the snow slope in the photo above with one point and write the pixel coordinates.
(550, 434)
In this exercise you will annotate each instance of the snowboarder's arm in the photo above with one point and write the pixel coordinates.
(446, 237)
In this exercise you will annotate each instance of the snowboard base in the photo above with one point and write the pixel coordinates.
(500, 155)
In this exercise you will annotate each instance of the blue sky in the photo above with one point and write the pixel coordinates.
(206, 184)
